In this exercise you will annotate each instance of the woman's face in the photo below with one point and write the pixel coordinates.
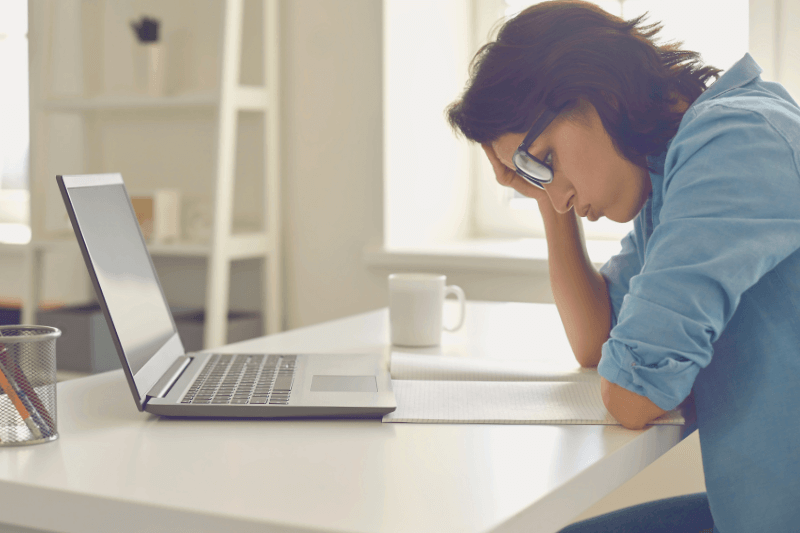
(588, 173)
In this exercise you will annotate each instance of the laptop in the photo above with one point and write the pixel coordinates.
(165, 380)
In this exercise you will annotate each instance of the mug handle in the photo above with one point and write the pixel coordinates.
(455, 289)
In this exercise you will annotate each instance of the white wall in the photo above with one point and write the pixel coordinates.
(332, 156)
(334, 196)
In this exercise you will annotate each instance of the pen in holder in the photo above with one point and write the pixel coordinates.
(27, 384)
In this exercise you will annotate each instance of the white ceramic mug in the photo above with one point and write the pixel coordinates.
(416, 302)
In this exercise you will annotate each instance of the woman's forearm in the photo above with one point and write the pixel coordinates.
(579, 290)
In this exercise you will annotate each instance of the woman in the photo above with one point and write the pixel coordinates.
(585, 113)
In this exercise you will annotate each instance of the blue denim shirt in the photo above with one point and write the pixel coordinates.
(705, 295)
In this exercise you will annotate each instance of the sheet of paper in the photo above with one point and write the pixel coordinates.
(414, 366)
(505, 402)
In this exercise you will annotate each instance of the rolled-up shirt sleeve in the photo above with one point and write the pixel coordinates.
(730, 214)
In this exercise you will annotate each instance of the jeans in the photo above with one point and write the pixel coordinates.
(682, 514)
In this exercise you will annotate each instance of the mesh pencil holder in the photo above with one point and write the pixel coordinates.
(27, 385)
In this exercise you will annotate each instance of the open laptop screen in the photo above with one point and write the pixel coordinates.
(123, 269)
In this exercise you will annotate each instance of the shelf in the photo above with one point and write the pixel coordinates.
(15, 234)
(238, 246)
(247, 98)
(7, 248)
(122, 102)
(247, 245)
(251, 98)
(50, 244)
(179, 249)
(104, 132)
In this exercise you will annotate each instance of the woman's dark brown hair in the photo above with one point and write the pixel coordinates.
(555, 53)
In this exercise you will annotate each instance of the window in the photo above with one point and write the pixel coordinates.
(14, 123)
(500, 211)
(439, 188)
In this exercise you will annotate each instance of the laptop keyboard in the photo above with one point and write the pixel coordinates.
(244, 379)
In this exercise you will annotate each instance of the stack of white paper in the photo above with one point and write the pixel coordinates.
(445, 389)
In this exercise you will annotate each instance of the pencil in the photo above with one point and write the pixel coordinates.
(23, 412)
(24, 384)
(33, 411)
(26, 401)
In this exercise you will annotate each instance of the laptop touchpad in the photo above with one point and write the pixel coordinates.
(344, 384)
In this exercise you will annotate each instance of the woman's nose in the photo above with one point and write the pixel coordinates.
(561, 197)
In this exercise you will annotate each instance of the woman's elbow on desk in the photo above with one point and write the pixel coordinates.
(588, 363)
(630, 409)
(588, 359)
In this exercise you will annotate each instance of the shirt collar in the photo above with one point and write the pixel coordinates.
(741, 73)
(656, 163)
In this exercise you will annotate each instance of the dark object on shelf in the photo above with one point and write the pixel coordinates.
(242, 325)
(10, 316)
(86, 345)
(146, 30)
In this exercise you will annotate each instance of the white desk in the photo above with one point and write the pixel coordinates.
(116, 469)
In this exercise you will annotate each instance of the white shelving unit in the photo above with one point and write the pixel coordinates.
(221, 108)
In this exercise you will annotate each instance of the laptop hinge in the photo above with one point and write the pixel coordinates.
(163, 385)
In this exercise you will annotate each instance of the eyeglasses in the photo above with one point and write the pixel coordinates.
(534, 171)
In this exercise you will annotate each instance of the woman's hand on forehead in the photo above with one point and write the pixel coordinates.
(508, 177)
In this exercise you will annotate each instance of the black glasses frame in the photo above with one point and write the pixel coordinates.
(526, 164)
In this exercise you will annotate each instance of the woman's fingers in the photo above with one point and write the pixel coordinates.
(503, 174)
(509, 178)
(525, 188)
